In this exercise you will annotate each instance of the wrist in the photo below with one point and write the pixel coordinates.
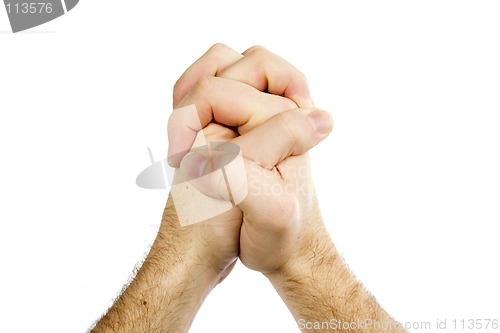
(189, 270)
(311, 249)
(315, 256)
(178, 249)
(170, 286)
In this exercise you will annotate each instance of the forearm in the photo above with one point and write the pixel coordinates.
(324, 296)
(169, 287)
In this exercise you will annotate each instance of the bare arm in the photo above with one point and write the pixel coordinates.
(282, 234)
(279, 233)
(323, 295)
(169, 287)
(185, 263)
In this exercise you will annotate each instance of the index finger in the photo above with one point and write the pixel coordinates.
(212, 63)
(267, 71)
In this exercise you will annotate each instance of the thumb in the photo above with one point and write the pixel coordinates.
(217, 170)
(287, 133)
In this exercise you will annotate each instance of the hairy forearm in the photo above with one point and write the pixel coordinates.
(168, 289)
(324, 296)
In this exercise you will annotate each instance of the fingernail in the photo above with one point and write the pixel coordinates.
(321, 121)
(193, 165)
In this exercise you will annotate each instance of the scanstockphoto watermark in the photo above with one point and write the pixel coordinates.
(334, 324)
(215, 179)
(462, 324)
(211, 178)
(294, 180)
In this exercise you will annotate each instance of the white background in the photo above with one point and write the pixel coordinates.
(409, 180)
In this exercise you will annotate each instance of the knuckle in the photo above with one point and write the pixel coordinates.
(218, 48)
(302, 77)
(177, 88)
(203, 85)
(257, 51)
(288, 126)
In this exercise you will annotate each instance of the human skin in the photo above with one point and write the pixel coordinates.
(281, 235)
(184, 264)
